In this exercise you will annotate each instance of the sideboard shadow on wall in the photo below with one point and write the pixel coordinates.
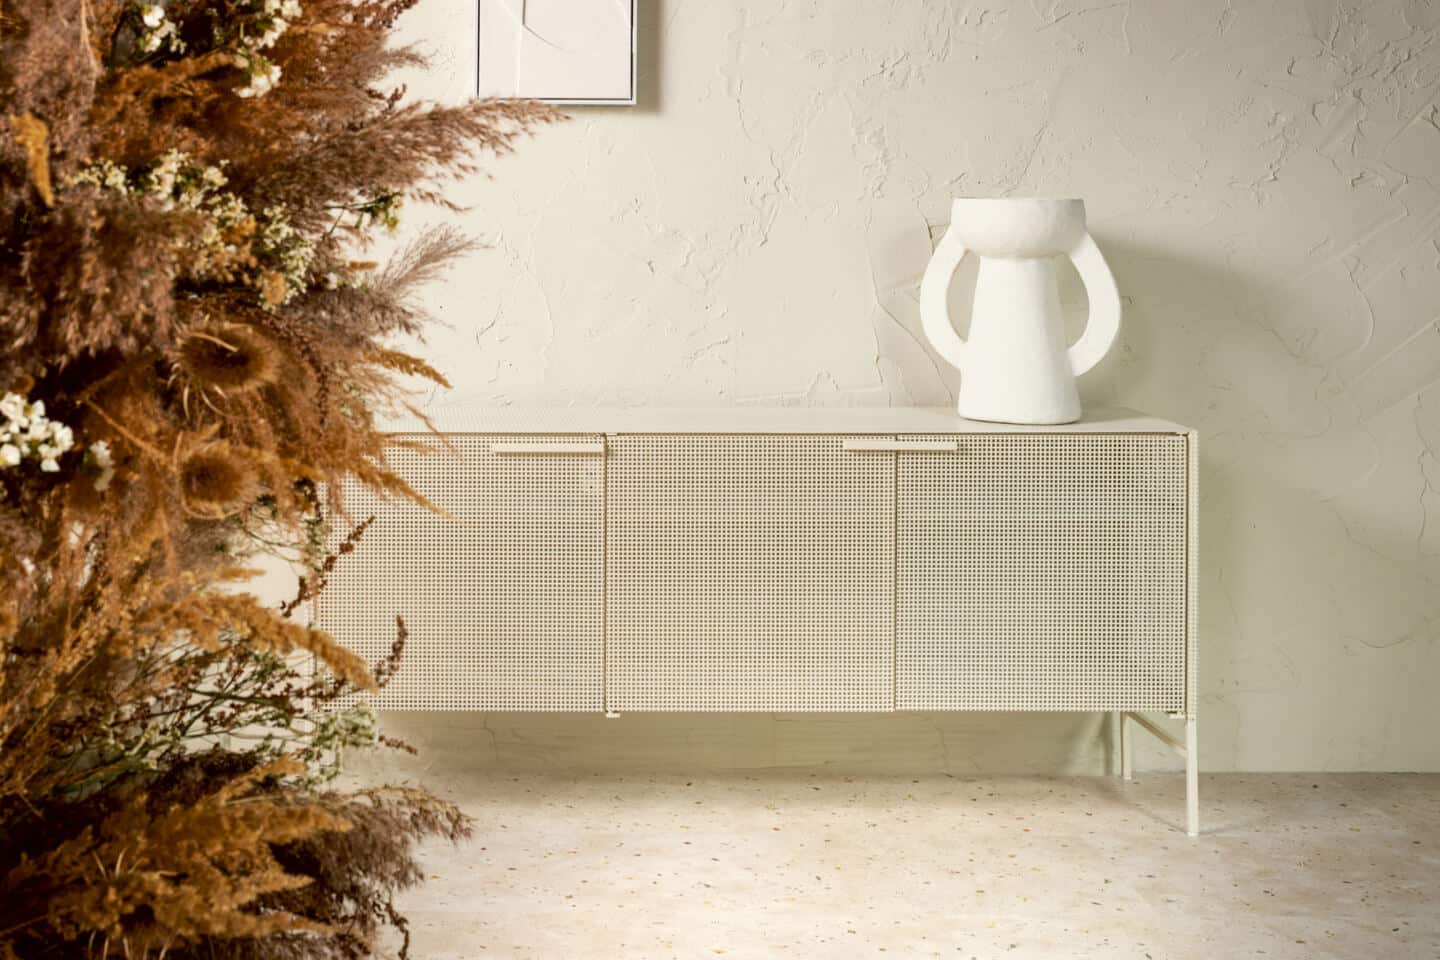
(786, 560)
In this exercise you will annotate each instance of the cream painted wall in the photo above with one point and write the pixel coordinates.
(1265, 180)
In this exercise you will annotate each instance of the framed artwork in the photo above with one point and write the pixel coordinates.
(561, 51)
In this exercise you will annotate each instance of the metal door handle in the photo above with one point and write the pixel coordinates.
(892, 444)
(548, 446)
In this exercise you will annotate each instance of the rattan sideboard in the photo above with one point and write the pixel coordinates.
(784, 560)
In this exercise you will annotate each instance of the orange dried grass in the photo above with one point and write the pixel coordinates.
(158, 879)
(32, 135)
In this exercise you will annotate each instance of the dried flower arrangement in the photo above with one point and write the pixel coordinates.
(193, 352)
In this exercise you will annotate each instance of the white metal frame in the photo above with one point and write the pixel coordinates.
(629, 101)
(1187, 751)
(525, 439)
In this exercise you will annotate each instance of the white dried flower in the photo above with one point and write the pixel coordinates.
(157, 30)
(175, 179)
(12, 406)
(27, 432)
(277, 27)
(263, 76)
(104, 462)
(161, 178)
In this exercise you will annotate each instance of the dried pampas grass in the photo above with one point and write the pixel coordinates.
(187, 290)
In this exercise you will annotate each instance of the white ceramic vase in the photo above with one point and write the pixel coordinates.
(1015, 367)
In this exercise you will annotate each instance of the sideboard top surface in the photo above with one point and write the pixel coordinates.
(755, 420)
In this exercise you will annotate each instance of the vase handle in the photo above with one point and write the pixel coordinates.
(933, 288)
(1104, 322)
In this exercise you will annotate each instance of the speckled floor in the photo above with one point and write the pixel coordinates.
(792, 865)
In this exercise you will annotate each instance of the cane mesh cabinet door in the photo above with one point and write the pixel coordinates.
(749, 572)
(504, 598)
(1043, 571)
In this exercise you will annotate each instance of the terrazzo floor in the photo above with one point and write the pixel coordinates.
(810, 866)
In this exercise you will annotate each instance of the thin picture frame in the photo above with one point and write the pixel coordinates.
(627, 101)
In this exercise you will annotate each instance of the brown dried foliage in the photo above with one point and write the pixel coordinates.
(129, 823)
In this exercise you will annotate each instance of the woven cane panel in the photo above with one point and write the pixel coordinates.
(1043, 572)
(504, 599)
(749, 572)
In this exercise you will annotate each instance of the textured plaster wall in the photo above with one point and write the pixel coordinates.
(1264, 178)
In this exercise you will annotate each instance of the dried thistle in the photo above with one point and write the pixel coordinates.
(229, 359)
(216, 480)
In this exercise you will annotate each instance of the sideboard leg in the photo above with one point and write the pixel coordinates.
(1192, 779)
(1127, 749)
